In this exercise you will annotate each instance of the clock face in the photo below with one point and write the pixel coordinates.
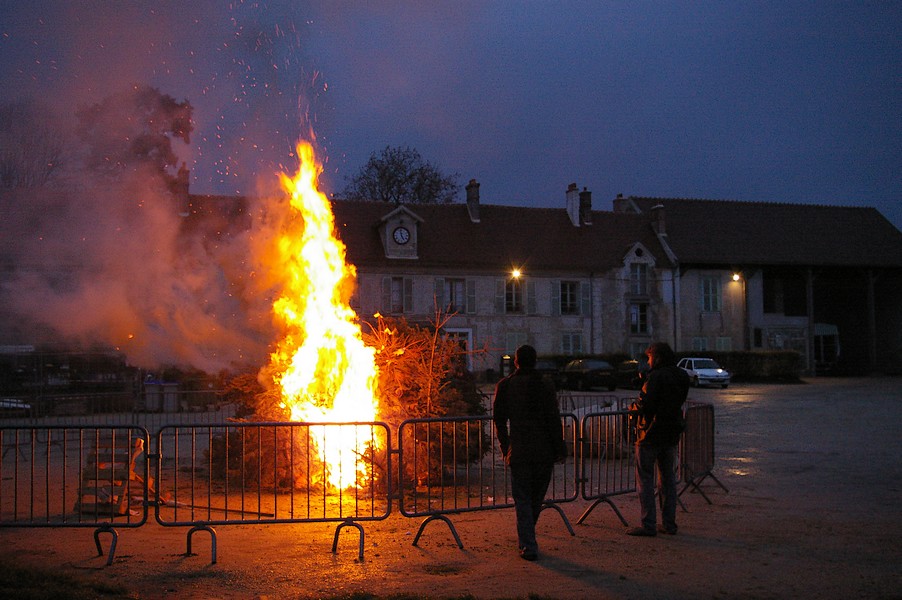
(401, 235)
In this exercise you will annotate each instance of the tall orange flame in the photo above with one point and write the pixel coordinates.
(324, 370)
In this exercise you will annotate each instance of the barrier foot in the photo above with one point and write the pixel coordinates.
(212, 533)
(439, 518)
(348, 523)
(695, 484)
(115, 538)
(560, 511)
(609, 503)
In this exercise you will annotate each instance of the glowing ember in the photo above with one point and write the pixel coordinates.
(322, 367)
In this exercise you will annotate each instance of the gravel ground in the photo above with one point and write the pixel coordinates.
(812, 512)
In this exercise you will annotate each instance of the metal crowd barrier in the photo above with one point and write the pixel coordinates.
(607, 467)
(453, 465)
(697, 449)
(74, 477)
(202, 475)
(260, 473)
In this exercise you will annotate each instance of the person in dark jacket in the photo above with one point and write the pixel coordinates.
(528, 426)
(659, 424)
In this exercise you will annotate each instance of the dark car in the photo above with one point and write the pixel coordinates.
(549, 370)
(629, 374)
(588, 373)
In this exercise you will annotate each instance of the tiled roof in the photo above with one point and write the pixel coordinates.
(534, 239)
(715, 232)
(722, 232)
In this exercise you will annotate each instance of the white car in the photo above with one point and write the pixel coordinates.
(705, 371)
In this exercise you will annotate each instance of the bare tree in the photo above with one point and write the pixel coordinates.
(401, 176)
(32, 145)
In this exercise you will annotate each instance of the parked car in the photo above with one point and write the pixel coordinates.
(629, 374)
(705, 371)
(549, 370)
(588, 373)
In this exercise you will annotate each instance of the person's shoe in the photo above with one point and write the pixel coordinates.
(667, 530)
(641, 532)
(528, 554)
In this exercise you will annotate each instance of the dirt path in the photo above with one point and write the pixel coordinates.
(812, 512)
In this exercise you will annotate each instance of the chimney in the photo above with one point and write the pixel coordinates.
(620, 204)
(657, 219)
(585, 207)
(473, 200)
(572, 196)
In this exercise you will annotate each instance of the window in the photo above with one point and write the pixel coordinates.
(464, 339)
(571, 342)
(515, 295)
(569, 298)
(456, 295)
(724, 344)
(639, 279)
(699, 344)
(397, 295)
(710, 293)
(638, 318)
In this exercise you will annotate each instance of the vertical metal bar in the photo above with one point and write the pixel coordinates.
(209, 431)
(46, 481)
(259, 465)
(226, 461)
(291, 473)
(243, 455)
(275, 472)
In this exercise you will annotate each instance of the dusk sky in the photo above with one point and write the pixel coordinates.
(779, 101)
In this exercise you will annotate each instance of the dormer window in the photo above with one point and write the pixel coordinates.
(399, 233)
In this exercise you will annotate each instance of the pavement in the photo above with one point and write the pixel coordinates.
(812, 511)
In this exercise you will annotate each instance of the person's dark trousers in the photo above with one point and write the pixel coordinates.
(529, 482)
(666, 458)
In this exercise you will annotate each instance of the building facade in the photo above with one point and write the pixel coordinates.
(702, 275)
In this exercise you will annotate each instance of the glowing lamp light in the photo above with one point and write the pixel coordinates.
(515, 273)
(737, 276)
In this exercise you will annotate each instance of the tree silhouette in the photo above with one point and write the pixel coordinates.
(32, 145)
(401, 176)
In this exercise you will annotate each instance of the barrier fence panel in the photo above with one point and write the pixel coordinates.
(257, 473)
(697, 449)
(74, 477)
(606, 466)
(453, 465)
